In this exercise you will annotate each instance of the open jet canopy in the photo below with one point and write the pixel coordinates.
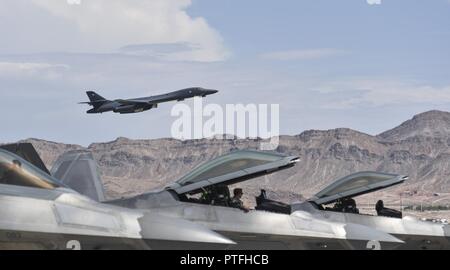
(357, 184)
(16, 171)
(233, 168)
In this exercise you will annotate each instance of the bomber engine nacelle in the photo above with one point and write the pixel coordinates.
(133, 108)
(125, 109)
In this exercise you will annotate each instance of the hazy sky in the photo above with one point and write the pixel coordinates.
(328, 63)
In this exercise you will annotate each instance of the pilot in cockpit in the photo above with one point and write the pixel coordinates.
(347, 205)
(237, 202)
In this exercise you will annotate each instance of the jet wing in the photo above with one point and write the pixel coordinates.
(357, 184)
(57, 219)
(132, 101)
(152, 100)
(356, 235)
(233, 168)
(373, 239)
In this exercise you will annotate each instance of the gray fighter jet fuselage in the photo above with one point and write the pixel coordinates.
(202, 197)
(136, 105)
(40, 212)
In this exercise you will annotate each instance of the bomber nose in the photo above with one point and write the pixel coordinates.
(211, 91)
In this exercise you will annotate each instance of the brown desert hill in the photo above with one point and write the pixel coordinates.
(420, 148)
(434, 124)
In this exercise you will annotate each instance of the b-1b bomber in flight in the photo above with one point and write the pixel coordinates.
(137, 105)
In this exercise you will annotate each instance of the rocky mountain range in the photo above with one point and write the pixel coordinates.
(420, 148)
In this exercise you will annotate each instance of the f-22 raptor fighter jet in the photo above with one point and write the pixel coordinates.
(329, 220)
(203, 197)
(137, 105)
(39, 212)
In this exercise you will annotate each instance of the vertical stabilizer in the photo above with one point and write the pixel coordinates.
(78, 170)
(27, 152)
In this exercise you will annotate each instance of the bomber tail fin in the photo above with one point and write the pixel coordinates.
(95, 99)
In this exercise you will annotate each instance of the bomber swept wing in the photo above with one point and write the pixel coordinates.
(136, 101)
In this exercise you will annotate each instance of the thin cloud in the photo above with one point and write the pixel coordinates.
(374, 2)
(296, 55)
(11, 69)
(107, 25)
(356, 93)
